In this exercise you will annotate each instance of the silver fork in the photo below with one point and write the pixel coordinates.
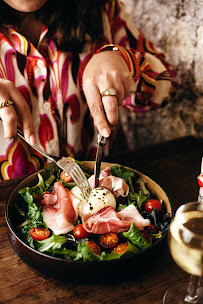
(69, 166)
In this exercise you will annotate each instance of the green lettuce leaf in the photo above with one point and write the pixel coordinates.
(85, 253)
(109, 256)
(54, 242)
(131, 249)
(136, 238)
(123, 173)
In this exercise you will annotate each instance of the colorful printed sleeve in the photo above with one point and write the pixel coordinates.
(154, 77)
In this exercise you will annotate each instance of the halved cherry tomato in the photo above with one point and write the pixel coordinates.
(79, 232)
(121, 248)
(151, 228)
(94, 247)
(109, 240)
(65, 177)
(39, 233)
(153, 204)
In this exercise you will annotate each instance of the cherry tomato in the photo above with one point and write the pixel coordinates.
(146, 235)
(39, 233)
(94, 247)
(151, 228)
(152, 204)
(121, 248)
(65, 177)
(109, 240)
(79, 232)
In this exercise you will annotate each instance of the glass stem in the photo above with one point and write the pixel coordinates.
(193, 286)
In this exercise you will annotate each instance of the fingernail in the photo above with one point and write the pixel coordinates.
(32, 139)
(105, 132)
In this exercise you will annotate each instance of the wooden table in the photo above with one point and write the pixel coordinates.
(175, 166)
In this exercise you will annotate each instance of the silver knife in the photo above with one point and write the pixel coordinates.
(101, 142)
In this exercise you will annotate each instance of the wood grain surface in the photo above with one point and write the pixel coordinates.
(175, 166)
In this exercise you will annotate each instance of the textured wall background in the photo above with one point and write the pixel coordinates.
(176, 28)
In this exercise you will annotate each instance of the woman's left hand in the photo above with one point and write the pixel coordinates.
(106, 70)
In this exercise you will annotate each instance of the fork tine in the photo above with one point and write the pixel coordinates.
(70, 166)
(79, 175)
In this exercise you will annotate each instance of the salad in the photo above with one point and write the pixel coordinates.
(82, 242)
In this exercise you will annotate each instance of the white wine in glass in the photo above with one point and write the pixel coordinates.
(185, 240)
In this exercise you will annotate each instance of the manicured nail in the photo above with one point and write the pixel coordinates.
(105, 132)
(32, 139)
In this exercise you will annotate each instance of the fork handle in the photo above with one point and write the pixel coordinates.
(49, 156)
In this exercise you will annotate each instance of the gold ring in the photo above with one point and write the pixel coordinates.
(109, 92)
(6, 103)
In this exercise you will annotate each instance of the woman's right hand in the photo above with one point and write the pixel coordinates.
(16, 114)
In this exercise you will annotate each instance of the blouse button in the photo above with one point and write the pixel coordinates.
(40, 63)
(46, 105)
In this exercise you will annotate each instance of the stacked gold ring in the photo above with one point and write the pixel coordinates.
(108, 92)
(6, 103)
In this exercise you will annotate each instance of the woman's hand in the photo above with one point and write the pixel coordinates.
(16, 114)
(106, 70)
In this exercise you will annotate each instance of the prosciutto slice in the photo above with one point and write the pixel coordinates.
(116, 185)
(60, 210)
(131, 214)
(108, 220)
(104, 221)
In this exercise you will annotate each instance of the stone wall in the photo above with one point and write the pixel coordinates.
(176, 28)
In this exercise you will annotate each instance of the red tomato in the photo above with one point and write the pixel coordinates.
(109, 240)
(151, 228)
(120, 248)
(39, 233)
(94, 247)
(79, 232)
(152, 204)
(146, 235)
(65, 177)
(42, 202)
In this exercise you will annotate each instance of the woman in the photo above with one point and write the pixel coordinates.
(59, 78)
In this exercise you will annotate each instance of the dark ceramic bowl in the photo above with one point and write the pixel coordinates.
(79, 270)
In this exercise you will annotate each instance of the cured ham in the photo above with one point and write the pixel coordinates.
(131, 214)
(114, 184)
(60, 210)
(104, 221)
(108, 220)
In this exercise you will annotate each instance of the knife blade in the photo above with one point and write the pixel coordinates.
(101, 142)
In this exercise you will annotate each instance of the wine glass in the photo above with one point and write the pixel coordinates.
(185, 240)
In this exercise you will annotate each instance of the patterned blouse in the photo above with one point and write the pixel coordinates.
(63, 124)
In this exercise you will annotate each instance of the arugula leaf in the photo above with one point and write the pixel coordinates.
(123, 173)
(136, 238)
(138, 199)
(85, 253)
(54, 242)
(51, 170)
(143, 186)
